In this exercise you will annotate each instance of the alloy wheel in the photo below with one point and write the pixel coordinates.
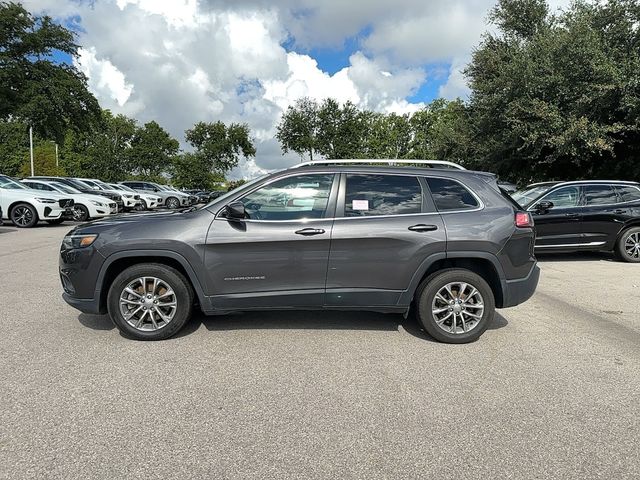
(632, 245)
(148, 303)
(457, 307)
(22, 216)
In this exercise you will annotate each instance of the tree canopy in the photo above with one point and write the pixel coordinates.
(48, 96)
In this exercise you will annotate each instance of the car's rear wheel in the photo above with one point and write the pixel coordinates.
(628, 245)
(150, 301)
(173, 202)
(24, 215)
(455, 305)
(80, 213)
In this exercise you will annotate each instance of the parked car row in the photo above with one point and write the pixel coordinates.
(27, 201)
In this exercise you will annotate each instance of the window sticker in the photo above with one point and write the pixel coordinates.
(360, 205)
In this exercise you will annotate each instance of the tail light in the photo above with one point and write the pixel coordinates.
(524, 220)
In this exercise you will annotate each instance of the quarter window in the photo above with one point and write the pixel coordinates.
(563, 197)
(368, 195)
(599, 195)
(628, 194)
(293, 198)
(450, 195)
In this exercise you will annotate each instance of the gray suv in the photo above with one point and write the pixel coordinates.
(446, 242)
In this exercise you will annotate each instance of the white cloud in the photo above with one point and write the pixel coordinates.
(183, 61)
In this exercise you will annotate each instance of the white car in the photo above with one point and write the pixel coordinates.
(86, 206)
(149, 201)
(131, 200)
(24, 206)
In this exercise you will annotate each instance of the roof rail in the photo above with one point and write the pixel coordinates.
(436, 163)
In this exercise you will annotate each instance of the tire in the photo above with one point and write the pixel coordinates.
(57, 221)
(432, 310)
(628, 245)
(167, 279)
(172, 203)
(24, 215)
(144, 206)
(80, 213)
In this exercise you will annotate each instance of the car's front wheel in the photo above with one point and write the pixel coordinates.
(80, 213)
(455, 305)
(24, 215)
(150, 301)
(172, 203)
(628, 246)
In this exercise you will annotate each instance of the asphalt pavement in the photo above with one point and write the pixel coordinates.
(551, 390)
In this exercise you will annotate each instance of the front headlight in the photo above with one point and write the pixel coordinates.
(78, 241)
(98, 204)
(46, 200)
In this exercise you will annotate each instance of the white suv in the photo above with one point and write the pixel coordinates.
(25, 206)
(85, 206)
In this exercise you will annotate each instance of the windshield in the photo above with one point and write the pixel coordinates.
(529, 194)
(64, 188)
(122, 187)
(6, 182)
(80, 185)
(102, 185)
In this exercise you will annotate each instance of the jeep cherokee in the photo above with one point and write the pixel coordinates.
(329, 235)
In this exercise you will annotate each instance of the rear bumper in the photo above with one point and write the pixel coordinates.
(518, 291)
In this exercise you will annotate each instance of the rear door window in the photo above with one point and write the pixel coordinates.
(372, 194)
(450, 195)
(628, 193)
(599, 195)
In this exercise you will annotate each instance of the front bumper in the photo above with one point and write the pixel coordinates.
(519, 291)
(85, 305)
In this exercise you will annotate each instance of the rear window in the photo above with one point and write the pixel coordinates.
(450, 195)
(628, 194)
(369, 195)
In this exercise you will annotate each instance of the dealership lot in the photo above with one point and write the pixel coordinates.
(552, 390)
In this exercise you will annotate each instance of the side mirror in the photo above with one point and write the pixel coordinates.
(235, 210)
(544, 206)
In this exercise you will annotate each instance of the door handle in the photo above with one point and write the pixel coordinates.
(421, 227)
(619, 211)
(572, 215)
(310, 231)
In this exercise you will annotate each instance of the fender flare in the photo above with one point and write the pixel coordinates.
(191, 273)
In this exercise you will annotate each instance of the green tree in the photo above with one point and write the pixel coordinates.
(14, 146)
(297, 130)
(193, 171)
(442, 131)
(44, 161)
(151, 151)
(557, 96)
(220, 146)
(341, 130)
(48, 96)
(389, 136)
(103, 152)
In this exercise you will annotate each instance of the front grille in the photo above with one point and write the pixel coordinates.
(66, 202)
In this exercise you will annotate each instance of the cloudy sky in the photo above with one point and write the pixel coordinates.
(182, 61)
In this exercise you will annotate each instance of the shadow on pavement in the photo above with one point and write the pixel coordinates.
(96, 322)
(316, 320)
(295, 320)
(576, 257)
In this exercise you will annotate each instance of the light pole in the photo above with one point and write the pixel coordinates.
(31, 149)
(56, 155)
